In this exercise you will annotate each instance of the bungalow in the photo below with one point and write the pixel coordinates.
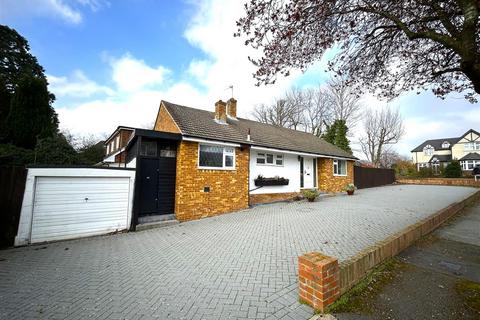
(197, 163)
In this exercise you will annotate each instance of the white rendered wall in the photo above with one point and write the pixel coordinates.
(290, 170)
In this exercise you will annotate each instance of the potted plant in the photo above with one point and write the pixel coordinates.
(310, 195)
(350, 188)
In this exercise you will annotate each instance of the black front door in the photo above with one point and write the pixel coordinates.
(301, 172)
(157, 186)
(148, 186)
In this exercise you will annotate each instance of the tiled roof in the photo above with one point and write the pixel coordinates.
(471, 156)
(201, 124)
(437, 144)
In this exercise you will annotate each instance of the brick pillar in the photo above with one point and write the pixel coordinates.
(319, 282)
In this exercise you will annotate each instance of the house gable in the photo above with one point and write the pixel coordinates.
(469, 136)
(164, 121)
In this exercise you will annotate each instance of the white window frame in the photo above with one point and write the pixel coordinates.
(428, 150)
(225, 153)
(335, 165)
(471, 146)
(465, 164)
(275, 157)
(445, 144)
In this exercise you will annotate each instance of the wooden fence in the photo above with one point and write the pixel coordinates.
(12, 186)
(372, 177)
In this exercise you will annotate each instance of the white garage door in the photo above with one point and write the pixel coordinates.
(72, 207)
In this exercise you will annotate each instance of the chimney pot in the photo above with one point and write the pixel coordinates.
(232, 108)
(221, 111)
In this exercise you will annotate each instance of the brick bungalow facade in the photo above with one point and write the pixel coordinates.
(219, 158)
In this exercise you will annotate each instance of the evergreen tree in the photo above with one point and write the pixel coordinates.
(336, 134)
(31, 116)
(453, 170)
(55, 150)
(16, 61)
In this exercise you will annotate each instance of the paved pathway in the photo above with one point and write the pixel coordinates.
(235, 266)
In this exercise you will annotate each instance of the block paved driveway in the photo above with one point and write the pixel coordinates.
(235, 266)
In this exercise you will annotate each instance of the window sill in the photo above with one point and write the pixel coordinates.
(340, 175)
(216, 168)
(269, 165)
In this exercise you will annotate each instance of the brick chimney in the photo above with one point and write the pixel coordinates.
(221, 111)
(232, 108)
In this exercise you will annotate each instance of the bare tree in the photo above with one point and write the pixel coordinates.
(344, 101)
(389, 157)
(279, 113)
(382, 128)
(296, 104)
(318, 112)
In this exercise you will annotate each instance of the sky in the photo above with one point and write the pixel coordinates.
(110, 63)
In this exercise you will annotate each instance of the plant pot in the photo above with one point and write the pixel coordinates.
(271, 182)
(350, 192)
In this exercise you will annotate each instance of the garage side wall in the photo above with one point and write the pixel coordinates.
(228, 189)
(328, 182)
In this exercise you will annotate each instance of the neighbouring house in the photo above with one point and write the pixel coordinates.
(197, 163)
(440, 152)
(115, 147)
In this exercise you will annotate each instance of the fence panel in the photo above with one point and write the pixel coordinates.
(372, 177)
(12, 186)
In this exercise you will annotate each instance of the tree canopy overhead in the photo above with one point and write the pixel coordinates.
(385, 46)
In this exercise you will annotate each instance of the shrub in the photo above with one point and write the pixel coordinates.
(310, 194)
(453, 170)
(405, 168)
(425, 173)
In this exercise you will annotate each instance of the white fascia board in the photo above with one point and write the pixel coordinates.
(315, 155)
(107, 159)
(213, 142)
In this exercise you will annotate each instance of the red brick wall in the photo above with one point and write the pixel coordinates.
(165, 121)
(469, 182)
(327, 182)
(318, 278)
(228, 188)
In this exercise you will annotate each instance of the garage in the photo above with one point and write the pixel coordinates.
(67, 203)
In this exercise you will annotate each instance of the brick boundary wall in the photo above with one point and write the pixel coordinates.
(322, 280)
(469, 182)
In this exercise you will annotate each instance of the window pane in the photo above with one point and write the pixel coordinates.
(335, 167)
(211, 156)
(229, 150)
(279, 162)
(342, 167)
(149, 148)
(261, 160)
(270, 158)
(228, 161)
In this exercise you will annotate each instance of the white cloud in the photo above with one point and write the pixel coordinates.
(78, 85)
(132, 74)
(139, 86)
(69, 11)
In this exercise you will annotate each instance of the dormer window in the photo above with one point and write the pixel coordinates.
(445, 145)
(428, 150)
